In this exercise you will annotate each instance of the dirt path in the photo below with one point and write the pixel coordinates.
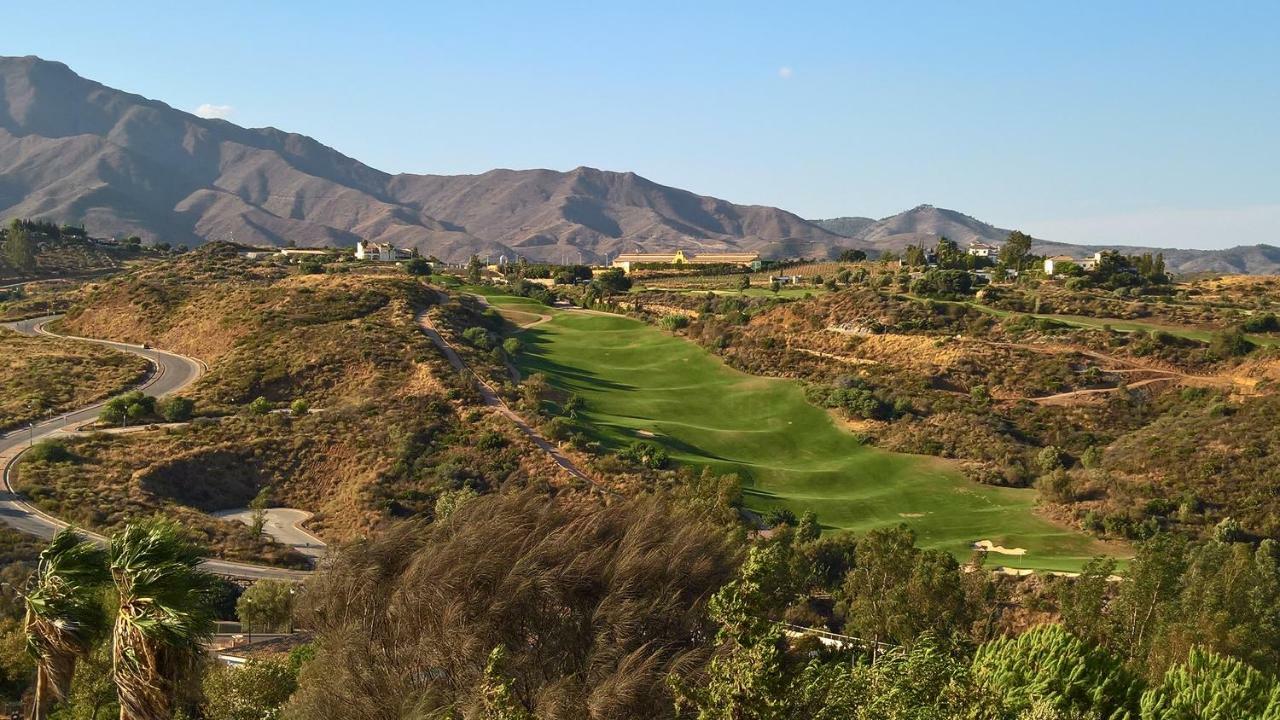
(1127, 365)
(1063, 398)
(493, 400)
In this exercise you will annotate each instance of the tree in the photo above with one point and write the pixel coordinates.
(809, 529)
(744, 281)
(1229, 343)
(254, 691)
(1212, 687)
(20, 247)
(133, 405)
(93, 690)
(849, 255)
(914, 256)
(64, 614)
(1083, 600)
(1049, 663)
(259, 504)
(474, 266)
(1016, 250)
(949, 256)
(165, 614)
(267, 605)
(746, 679)
(1152, 583)
(512, 346)
(612, 281)
(897, 592)
(177, 409)
(418, 267)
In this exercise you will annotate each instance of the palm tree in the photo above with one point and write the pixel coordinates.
(64, 614)
(165, 613)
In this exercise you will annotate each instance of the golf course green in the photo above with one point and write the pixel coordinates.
(640, 383)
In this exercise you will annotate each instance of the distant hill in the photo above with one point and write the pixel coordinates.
(73, 150)
(846, 226)
(924, 224)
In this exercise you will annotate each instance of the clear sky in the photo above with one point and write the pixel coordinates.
(1143, 123)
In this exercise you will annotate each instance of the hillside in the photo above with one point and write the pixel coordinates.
(391, 426)
(924, 224)
(74, 150)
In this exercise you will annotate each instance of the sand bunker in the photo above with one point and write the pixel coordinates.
(1002, 550)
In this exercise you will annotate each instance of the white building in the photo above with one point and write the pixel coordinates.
(381, 252)
(984, 250)
(1053, 265)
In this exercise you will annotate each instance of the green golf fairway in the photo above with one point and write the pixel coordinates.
(638, 380)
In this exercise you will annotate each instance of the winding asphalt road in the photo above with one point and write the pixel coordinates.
(170, 373)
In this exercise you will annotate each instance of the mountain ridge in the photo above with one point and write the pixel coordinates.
(924, 224)
(75, 150)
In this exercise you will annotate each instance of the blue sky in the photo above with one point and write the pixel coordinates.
(1145, 123)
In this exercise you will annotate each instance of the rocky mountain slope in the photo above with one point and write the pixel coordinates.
(74, 150)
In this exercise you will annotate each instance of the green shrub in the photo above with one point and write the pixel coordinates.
(418, 267)
(645, 454)
(1230, 344)
(177, 409)
(260, 406)
(50, 451)
(675, 322)
(479, 337)
(299, 407)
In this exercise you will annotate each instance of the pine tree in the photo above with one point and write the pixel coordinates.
(1212, 687)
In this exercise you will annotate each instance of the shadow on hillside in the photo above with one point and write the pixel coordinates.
(538, 360)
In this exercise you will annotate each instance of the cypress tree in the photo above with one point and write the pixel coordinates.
(20, 248)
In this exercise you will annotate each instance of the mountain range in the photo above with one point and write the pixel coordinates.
(73, 150)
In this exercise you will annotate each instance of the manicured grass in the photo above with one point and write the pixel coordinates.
(637, 380)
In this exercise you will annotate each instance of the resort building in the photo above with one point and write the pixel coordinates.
(625, 261)
(383, 252)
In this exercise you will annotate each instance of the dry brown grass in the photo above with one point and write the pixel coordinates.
(41, 376)
(392, 426)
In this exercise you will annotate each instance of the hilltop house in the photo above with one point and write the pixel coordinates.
(1053, 265)
(381, 252)
(980, 249)
(626, 260)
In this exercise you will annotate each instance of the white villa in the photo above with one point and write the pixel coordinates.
(382, 252)
(980, 249)
(1053, 265)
